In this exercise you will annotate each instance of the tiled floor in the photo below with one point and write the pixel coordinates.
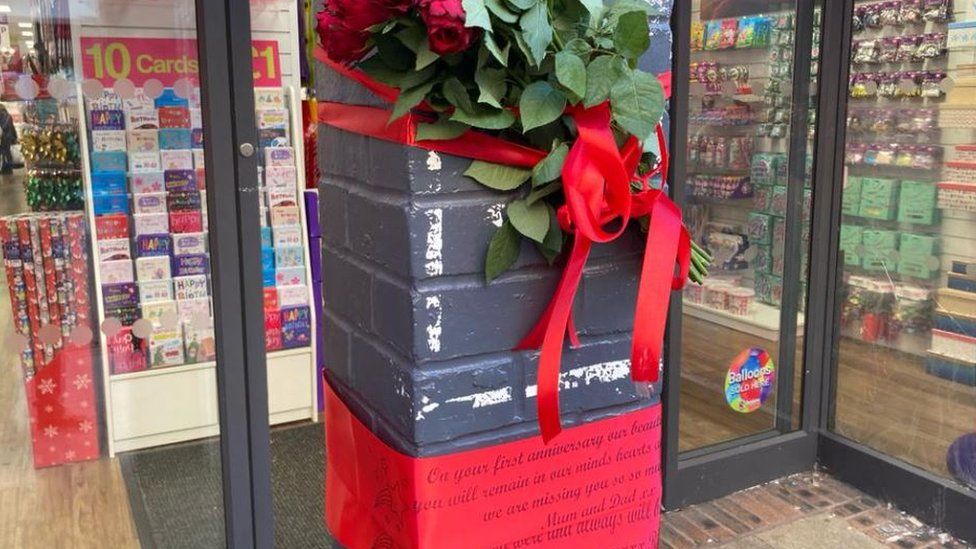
(809, 510)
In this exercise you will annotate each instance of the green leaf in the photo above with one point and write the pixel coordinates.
(530, 220)
(541, 104)
(592, 6)
(571, 73)
(503, 251)
(537, 31)
(525, 49)
(544, 191)
(637, 101)
(501, 54)
(412, 37)
(491, 84)
(601, 73)
(501, 11)
(488, 118)
(497, 176)
(578, 47)
(410, 98)
(524, 4)
(551, 167)
(425, 57)
(552, 246)
(632, 35)
(457, 95)
(442, 129)
(477, 14)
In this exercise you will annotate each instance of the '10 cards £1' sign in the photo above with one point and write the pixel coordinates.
(165, 59)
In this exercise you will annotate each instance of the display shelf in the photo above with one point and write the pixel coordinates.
(763, 320)
(164, 371)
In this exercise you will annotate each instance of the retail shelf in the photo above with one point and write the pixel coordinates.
(171, 370)
(762, 322)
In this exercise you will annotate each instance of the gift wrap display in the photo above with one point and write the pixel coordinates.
(441, 376)
(45, 257)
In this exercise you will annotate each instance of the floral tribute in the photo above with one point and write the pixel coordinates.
(546, 96)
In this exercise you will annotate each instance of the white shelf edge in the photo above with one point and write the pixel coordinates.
(170, 370)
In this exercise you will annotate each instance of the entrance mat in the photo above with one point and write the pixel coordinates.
(175, 492)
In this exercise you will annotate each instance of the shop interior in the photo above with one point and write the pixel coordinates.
(109, 433)
(906, 352)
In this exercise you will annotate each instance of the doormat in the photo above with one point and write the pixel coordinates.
(176, 493)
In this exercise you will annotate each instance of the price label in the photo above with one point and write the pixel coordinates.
(165, 59)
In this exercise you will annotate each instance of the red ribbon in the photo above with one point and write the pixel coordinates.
(600, 204)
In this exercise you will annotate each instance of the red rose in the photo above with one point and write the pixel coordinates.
(445, 26)
(359, 15)
(343, 44)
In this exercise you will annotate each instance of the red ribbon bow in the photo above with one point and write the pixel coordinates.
(597, 180)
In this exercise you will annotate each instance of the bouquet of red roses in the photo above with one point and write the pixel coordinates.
(547, 97)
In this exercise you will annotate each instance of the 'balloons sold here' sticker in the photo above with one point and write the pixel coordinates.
(750, 380)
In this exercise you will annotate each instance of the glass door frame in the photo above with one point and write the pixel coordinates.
(226, 81)
(708, 473)
(935, 499)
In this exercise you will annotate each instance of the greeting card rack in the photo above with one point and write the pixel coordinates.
(153, 283)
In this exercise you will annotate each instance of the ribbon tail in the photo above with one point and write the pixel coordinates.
(653, 296)
(547, 400)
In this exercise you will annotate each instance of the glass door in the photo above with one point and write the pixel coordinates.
(740, 371)
(746, 183)
(905, 371)
(123, 368)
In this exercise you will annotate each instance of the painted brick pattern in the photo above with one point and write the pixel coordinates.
(415, 341)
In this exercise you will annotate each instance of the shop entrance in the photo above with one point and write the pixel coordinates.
(835, 188)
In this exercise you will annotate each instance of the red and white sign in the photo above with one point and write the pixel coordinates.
(109, 59)
(596, 485)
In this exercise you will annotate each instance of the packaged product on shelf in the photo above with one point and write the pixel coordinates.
(126, 352)
(153, 268)
(160, 313)
(912, 310)
(156, 290)
(174, 117)
(150, 245)
(852, 243)
(149, 203)
(716, 295)
(147, 161)
(143, 141)
(292, 276)
(109, 161)
(149, 182)
(198, 159)
(108, 183)
(180, 180)
(190, 243)
(107, 100)
(769, 289)
(119, 296)
(175, 138)
(166, 349)
(917, 256)
(186, 221)
(191, 309)
(740, 300)
(107, 120)
(284, 237)
(962, 282)
(879, 249)
(713, 35)
(108, 140)
(289, 257)
(114, 249)
(269, 98)
(759, 227)
(916, 202)
(110, 204)
(289, 296)
(285, 216)
(879, 198)
(296, 327)
(281, 176)
(271, 302)
(191, 287)
(191, 265)
(272, 330)
(117, 271)
(196, 140)
(279, 156)
(181, 159)
(138, 120)
(150, 223)
(201, 345)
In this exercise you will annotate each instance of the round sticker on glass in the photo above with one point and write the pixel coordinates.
(750, 380)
